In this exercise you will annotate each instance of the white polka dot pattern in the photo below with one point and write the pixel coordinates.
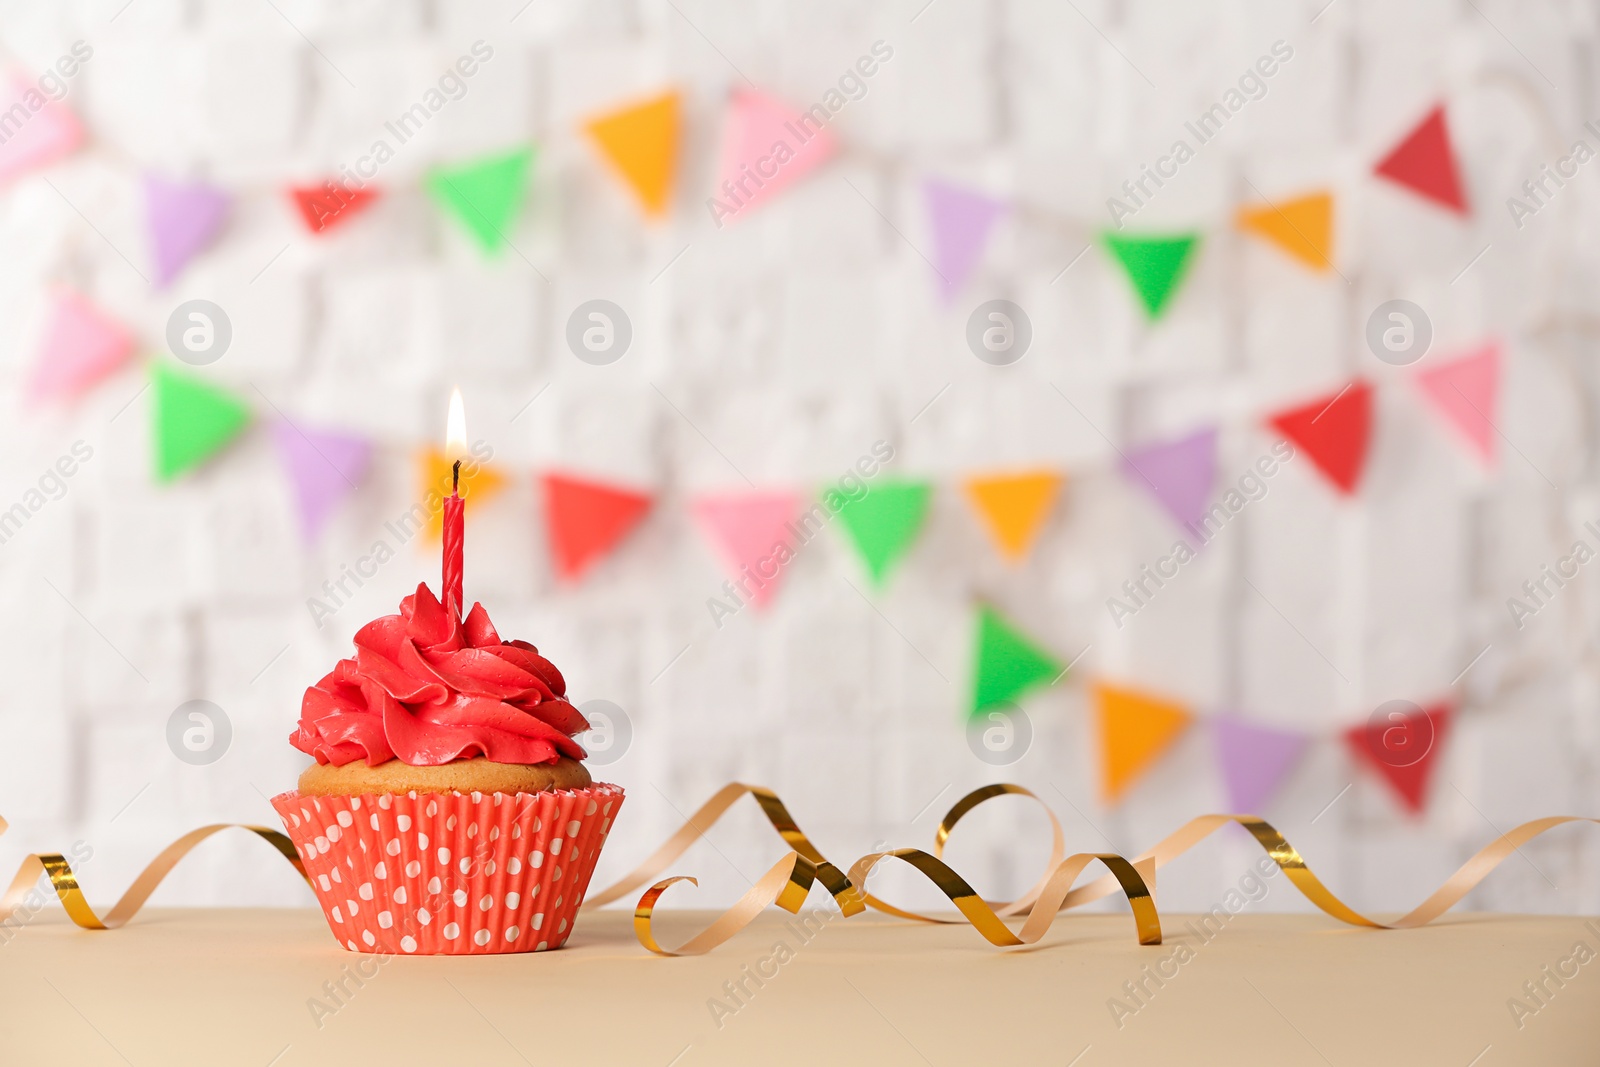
(451, 873)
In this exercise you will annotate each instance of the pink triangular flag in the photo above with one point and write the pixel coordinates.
(751, 533)
(1178, 473)
(41, 131)
(184, 217)
(80, 346)
(767, 147)
(1254, 760)
(1466, 391)
(324, 466)
(961, 222)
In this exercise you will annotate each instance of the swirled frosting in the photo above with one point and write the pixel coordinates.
(427, 688)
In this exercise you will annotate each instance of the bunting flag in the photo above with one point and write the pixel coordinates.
(1334, 431)
(80, 346)
(483, 194)
(324, 467)
(37, 130)
(1178, 473)
(327, 205)
(1155, 266)
(883, 522)
(586, 519)
(191, 420)
(641, 144)
(1254, 759)
(1007, 664)
(1302, 227)
(1013, 507)
(479, 483)
(1466, 391)
(1403, 749)
(184, 218)
(750, 531)
(1135, 729)
(766, 149)
(961, 221)
(1425, 163)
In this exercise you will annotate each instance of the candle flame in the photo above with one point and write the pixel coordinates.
(456, 427)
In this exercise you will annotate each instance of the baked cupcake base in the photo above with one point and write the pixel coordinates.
(448, 873)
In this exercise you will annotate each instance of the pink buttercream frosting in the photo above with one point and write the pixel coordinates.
(427, 688)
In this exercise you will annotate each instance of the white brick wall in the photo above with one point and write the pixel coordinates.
(792, 340)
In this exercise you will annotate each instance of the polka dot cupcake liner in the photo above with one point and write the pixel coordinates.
(451, 873)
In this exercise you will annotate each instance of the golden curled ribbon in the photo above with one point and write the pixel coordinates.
(788, 882)
(65, 882)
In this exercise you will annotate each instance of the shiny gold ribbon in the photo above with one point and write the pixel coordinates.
(65, 882)
(789, 880)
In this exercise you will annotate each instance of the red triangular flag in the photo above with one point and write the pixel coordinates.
(326, 205)
(1466, 391)
(1426, 164)
(1334, 431)
(586, 519)
(1402, 746)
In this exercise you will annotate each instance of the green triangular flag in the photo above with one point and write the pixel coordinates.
(484, 194)
(1008, 663)
(883, 523)
(191, 420)
(1155, 265)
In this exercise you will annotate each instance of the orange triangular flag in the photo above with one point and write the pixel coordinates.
(1135, 729)
(1013, 507)
(478, 483)
(641, 142)
(1302, 227)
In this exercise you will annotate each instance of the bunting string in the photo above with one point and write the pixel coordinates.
(788, 882)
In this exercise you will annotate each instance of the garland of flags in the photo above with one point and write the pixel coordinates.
(767, 148)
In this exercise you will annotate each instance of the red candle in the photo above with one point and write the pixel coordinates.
(454, 510)
(454, 534)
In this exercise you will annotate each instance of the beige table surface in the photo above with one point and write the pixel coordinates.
(214, 987)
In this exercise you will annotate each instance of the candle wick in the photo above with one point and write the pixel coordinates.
(455, 477)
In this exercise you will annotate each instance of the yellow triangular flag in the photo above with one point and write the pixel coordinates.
(1135, 729)
(1302, 227)
(1013, 507)
(641, 142)
(478, 483)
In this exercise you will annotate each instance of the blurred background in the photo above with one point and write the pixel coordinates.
(1385, 644)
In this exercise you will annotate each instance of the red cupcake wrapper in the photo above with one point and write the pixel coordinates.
(451, 873)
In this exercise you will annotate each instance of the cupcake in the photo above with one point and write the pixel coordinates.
(448, 811)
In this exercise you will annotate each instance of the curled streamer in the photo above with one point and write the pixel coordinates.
(787, 883)
(789, 879)
(65, 882)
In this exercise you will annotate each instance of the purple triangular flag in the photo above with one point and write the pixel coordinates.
(1254, 760)
(184, 217)
(961, 221)
(1178, 473)
(324, 468)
